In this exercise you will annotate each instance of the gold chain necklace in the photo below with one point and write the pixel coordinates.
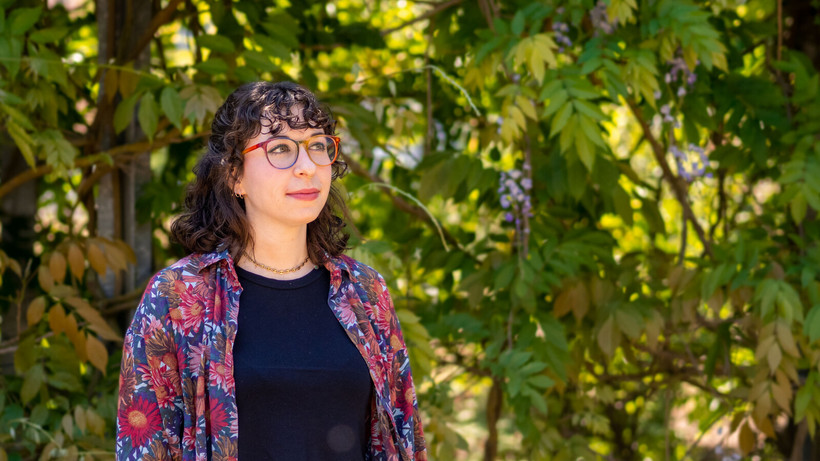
(274, 270)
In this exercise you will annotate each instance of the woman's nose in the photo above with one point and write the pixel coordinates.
(304, 165)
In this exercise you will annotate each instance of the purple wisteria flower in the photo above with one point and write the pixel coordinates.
(600, 20)
(514, 190)
(688, 169)
(561, 30)
(679, 71)
(666, 111)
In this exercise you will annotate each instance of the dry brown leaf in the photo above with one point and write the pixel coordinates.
(95, 423)
(114, 256)
(781, 397)
(96, 258)
(786, 339)
(763, 405)
(765, 426)
(97, 353)
(67, 424)
(71, 329)
(45, 278)
(763, 347)
(35, 310)
(57, 266)
(126, 249)
(76, 261)
(79, 347)
(95, 320)
(79, 418)
(746, 439)
(56, 318)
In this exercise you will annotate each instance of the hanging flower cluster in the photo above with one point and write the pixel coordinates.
(679, 71)
(600, 20)
(515, 195)
(561, 30)
(667, 116)
(688, 169)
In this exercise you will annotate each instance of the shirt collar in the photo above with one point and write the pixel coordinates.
(334, 264)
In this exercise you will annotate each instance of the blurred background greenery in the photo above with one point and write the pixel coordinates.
(598, 219)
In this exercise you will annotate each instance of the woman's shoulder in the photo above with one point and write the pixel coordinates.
(191, 267)
(358, 271)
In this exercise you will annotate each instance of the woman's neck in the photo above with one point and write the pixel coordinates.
(280, 249)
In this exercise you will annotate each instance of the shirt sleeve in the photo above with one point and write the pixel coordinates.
(402, 391)
(149, 416)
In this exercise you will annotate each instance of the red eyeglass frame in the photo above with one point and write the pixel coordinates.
(264, 144)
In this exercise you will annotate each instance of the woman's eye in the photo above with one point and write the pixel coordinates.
(279, 149)
(318, 146)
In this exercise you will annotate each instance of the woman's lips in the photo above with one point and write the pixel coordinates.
(305, 194)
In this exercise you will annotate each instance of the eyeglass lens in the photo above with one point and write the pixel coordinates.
(282, 152)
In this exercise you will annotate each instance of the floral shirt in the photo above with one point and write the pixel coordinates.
(177, 397)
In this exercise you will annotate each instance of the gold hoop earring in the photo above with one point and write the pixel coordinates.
(238, 195)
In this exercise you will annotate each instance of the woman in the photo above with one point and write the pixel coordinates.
(313, 365)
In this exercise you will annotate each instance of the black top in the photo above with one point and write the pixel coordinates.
(303, 389)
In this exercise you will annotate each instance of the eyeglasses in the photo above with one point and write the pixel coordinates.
(282, 152)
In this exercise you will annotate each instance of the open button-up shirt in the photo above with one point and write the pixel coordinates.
(177, 398)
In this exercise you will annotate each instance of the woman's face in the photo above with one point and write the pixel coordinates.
(291, 197)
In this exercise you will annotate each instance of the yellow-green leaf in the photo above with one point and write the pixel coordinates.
(774, 356)
(608, 336)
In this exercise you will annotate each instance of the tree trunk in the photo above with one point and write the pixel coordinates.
(121, 23)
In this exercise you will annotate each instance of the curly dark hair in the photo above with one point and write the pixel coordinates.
(214, 218)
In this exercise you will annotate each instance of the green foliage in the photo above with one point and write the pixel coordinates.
(609, 280)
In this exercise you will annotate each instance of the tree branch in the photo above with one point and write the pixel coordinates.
(676, 184)
(163, 17)
(399, 202)
(98, 157)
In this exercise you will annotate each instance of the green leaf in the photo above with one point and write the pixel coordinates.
(517, 25)
(272, 47)
(218, 43)
(58, 151)
(21, 19)
(560, 119)
(622, 205)
(172, 106)
(148, 115)
(124, 113)
(811, 327)
(23, 141)
(532, 368)
(213, 66)
(536, 399)
(608, 336)
(540, 381)
(585, 149)
(32, 381)
(259, 61)
(629, 322)
(49, 35)
(798, 207)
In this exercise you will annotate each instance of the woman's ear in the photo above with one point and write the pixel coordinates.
(238, 190)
